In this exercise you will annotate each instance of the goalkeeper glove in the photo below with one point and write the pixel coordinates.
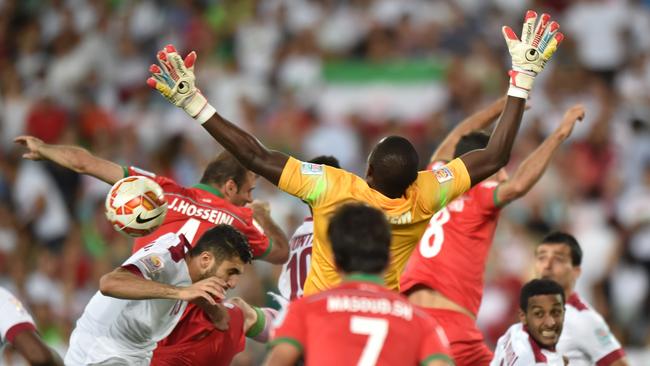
(174, 79)
(529, 55)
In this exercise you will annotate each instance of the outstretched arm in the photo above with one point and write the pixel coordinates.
(74, 158)
(174, 79)
(529, 56)
(477, 121)
(35, 351)
(531, 170)
(279, 252)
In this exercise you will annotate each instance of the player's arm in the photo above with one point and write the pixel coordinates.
(74, 158)
(257, 321)
(283, 354)
(531, 170)
(34, 350)
(529, 56)
(279, 250)
(174, 79)
(126, 283)
(477, 121)
(289, 337)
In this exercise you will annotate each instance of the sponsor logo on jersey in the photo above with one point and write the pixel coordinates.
(206, 214)
(152, 263)
(405, 218)
(311, 169)
(359, 304)
(443, 174)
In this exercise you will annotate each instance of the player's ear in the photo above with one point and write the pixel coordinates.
(207, 259)
(522, 317)
(231, 187)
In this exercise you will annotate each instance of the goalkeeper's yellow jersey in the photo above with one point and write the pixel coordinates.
(325, 188)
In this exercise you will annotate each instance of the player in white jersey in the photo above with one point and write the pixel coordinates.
(294, 271)
(17, 328)
(139, 303)
(586, 339)
(532, 341)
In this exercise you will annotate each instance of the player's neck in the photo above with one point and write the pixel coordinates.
(375, 278)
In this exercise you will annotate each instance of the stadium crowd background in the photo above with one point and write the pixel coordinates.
(322, 77)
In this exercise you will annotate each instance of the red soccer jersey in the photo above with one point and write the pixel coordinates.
(451, 255)
(192, 211)
(361, 323)
(196, 342)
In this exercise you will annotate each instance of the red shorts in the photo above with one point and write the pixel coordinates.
(466, 341)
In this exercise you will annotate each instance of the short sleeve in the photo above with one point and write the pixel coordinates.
(435, 345)
(292, 328)
(163, 182)
(311, 182)
(157, 261)
(485, 194)
(260, 244)
(597, 340)
(451, 181)
(15, 318)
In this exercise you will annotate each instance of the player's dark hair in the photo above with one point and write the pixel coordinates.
(326, 160)
(568, 240)
(472, 141)
(394, 163)
(360, 237)
(224, 242)
(539, 287)
(223, 168)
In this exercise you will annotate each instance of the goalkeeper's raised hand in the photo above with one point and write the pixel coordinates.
(539, 41)
(174, 79)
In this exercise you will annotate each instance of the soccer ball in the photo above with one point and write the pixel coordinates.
(136, 206)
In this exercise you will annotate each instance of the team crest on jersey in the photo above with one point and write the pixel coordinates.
(143, 172)
(443, 174)
(153, 263)
(311, 169)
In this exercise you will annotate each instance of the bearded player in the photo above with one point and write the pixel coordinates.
(445, 272)
(409, 198)
(219, 198)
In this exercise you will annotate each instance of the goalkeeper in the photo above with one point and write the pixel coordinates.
(393, 184)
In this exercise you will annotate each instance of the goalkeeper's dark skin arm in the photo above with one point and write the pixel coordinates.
(269, 163)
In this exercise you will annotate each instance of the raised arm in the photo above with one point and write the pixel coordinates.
(531, 170)
(175, 81)
(476, 121)
(74, 158)
(122, 283)
(529, 56)
(279, 253)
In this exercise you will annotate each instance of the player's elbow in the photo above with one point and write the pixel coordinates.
(107, 284)
(42, 356)
(80, 162)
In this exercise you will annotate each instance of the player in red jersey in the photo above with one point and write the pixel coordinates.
(225, 187)
(360, 321)
(445, 272)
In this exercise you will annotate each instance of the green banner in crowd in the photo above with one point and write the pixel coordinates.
(403, 71)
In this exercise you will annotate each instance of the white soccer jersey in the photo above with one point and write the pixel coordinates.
(125, 332)
(518, 348)
(586, 339)
(14, 318)
(294, 272)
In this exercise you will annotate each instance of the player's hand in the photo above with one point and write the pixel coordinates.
(571, 116)
(175, 80)
(206, 289)
(261, 210)
(32, 144)
(539, 41)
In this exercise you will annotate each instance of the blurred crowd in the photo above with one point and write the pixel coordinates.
(312, 77)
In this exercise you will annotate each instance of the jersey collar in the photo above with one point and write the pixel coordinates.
(209, 188)
(364, 277)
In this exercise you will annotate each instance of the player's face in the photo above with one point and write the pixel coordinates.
(544, 318)
(229, 271)
(553, 262)
(241, 195)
